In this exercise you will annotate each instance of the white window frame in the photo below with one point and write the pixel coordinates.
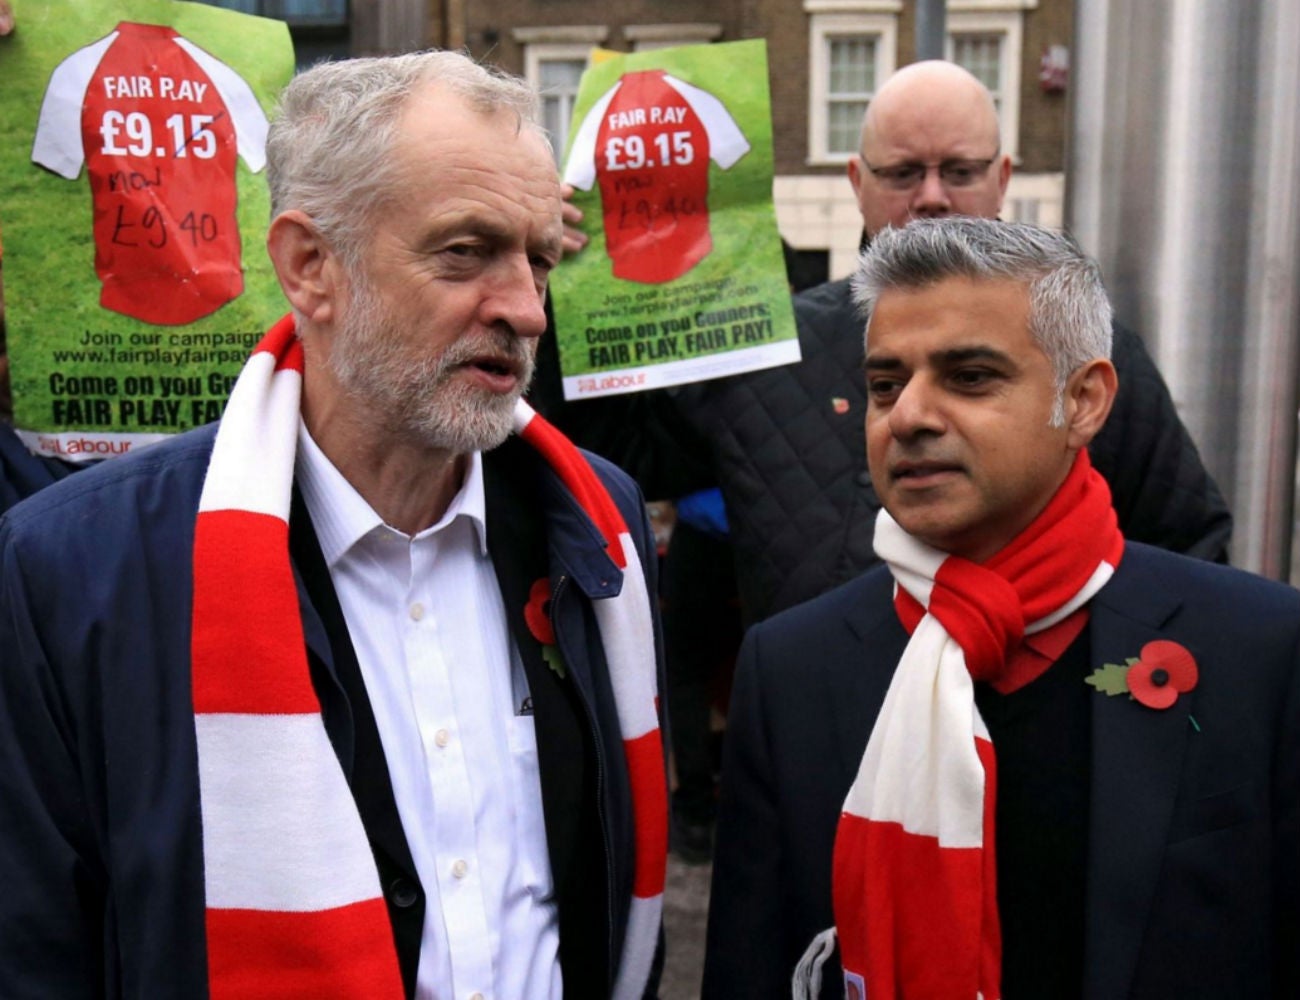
(645, 37)
(831, 19)
(557, 44)
(1005, 18)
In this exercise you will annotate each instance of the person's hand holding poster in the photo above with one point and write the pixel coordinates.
(683, 278)
(130, 136)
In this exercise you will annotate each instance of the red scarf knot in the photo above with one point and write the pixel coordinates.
(981, 611)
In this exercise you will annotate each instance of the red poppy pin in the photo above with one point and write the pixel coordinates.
(1156, 676)
(537, 615)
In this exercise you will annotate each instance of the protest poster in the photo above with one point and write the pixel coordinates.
(670, 157)
(132, 145)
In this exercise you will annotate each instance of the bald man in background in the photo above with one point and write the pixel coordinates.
(930, 146)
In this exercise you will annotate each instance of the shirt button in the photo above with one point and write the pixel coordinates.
(417, 611)
(460, 869)
(442, 737)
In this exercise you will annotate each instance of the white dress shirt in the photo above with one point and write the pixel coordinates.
(446, 685)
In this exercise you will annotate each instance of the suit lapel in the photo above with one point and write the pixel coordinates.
(520, 550)
(855, 685)
(517, 545)
(1137, 756)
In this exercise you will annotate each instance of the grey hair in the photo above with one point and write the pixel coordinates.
(1069, 313)
(328, 150)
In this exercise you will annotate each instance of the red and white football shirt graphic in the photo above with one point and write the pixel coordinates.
(158, 122)
(648, 142)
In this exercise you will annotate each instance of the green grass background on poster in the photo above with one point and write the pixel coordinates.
(51, 289)
(746, 265)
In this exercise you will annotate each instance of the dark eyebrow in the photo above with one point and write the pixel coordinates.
(955, 356)
(958, 355)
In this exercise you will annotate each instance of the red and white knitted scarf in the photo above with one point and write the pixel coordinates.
(294, 906)
(914, 873)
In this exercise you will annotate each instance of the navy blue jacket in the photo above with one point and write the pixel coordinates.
(101, 882)
(1192, 885)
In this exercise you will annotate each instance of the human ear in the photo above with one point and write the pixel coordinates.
(307, 267)
(1004, 169)
(1089, 395)
(855, 176)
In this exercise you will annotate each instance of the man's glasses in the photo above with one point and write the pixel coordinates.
(952, 173)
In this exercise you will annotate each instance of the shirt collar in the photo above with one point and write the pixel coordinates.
(341, 517)
(1039, 650)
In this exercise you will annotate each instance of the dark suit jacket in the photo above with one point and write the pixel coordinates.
(1193, 881)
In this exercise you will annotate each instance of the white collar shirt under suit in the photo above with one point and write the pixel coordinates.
(447, 688)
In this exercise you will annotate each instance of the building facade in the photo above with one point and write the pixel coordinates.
(825, 59)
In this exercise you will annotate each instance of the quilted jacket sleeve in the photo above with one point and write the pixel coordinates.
(1162, 492)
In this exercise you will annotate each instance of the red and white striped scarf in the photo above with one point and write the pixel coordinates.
(914, 877)
(294, 905)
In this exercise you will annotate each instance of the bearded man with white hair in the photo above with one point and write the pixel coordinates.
(355, 693)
